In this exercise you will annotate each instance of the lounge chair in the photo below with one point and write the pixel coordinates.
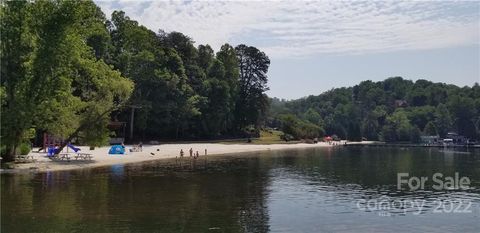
(136, 148)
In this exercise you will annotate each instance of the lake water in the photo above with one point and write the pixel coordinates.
(307, 190)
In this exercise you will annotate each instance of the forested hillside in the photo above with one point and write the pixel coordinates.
(391, 110)
(69, 71)
(183, 91)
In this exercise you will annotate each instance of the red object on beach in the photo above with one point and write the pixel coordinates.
(328, 138)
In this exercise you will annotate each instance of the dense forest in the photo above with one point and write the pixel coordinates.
(391, 110)
(69, 71)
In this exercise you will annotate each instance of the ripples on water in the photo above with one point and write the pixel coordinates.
(307, 190)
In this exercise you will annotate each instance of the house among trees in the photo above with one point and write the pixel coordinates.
(401, 103)
(456, 138)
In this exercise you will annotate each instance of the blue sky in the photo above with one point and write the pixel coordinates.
(318, 45)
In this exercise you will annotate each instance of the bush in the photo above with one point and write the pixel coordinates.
(24, 148)
(298, 129)
(286, 137)
(309, 130)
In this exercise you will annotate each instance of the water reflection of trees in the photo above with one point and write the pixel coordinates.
(144, 198)
(230, 196)
(373, 168)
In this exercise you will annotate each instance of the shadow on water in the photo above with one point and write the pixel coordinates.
(138, 198)
(302, 190)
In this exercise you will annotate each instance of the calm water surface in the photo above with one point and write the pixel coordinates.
(307, 190)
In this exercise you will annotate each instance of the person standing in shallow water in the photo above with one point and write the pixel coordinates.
(205, 151)
(181, 153)
(191, 152)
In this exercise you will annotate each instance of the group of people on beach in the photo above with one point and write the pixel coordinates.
(193, 155)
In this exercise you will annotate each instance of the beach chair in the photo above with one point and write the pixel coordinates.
(136, 148)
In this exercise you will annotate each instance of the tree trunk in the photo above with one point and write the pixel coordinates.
(10, 154)
(12, 148)
(132, 115)
(80, 128)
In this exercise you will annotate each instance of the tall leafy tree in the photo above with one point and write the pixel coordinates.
(17, 46)
(443, 120)
(464, 112)
(163, 95)
(430, 129)
(251, 101)
(218, 94)
(65, 89)
(228, 57)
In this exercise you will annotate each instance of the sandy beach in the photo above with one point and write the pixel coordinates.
(149, 153)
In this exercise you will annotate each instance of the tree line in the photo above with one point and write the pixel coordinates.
(391, 110)
(68, 70)
(183, 91)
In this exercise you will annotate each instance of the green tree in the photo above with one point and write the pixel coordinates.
(228, 57)
(218, 93)
(430, 129)
(299, 129)
(443, 120)
(415, 134)
(420, 116)
(205, 56)
(401, 125)
(388, 133)
(63, 89)
(252, 101)
(313, 116)
(162, 89)
(17, 46)
(464, 112)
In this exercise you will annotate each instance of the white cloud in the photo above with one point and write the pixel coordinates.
(304, 28)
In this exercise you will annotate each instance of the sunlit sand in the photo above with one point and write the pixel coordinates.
(149, 153)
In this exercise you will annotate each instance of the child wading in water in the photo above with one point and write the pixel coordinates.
(181, 153)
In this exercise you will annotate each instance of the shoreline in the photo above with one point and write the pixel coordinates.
(101, 157)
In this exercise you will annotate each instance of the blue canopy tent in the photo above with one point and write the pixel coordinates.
(117, 149)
